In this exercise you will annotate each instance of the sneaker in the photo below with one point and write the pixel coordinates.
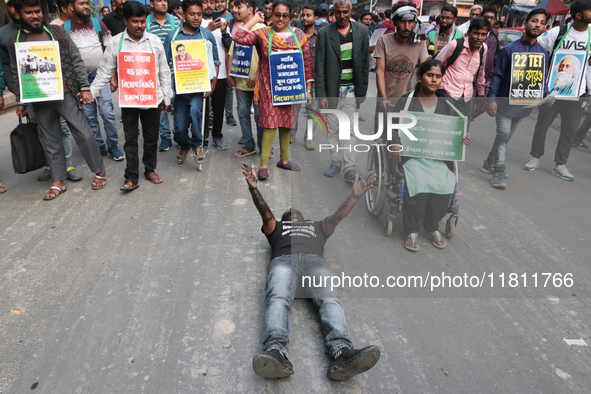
(103, 150)
(45, 175)
(219, 144)
(272, 364)
(310, 145)
(488, 168)
(116, 153)
(350, 176)
(241, 141)
(498, 181)
(580, 144)
(332, 170)
(349, 362)
(165, 145)
(562, 172)
(73, 175)
(532, 164)
(231, 121)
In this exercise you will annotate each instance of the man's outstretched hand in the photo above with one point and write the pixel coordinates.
(250, 175)
(363, 185)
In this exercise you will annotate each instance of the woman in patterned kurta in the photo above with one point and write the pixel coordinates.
(281, 117)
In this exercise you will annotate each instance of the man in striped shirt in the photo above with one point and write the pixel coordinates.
(160, 23)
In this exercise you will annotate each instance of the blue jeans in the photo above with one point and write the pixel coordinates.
(230, 100)
(284, 279)
(506, 126)
(244, 100)
(187, 112)
(105, 109)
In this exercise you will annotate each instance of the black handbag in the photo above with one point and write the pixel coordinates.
(27, 152)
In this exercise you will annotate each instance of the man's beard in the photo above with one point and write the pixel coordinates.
(531, 33)
(81, 15)
(24, 25)
(562, 79)
(444, 27)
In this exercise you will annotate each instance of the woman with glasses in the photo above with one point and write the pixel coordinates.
(283, 117)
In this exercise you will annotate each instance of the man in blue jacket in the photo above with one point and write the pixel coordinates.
(508, 116)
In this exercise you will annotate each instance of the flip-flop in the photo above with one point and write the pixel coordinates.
(94, 183)
(245, 152)
(54, 196)
(413, 237)
(128, 189)
(436, 234)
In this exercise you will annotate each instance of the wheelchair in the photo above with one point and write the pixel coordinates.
(390, 188)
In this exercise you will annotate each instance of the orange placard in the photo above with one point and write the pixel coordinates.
(137, 80)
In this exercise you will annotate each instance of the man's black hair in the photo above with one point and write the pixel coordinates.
(178, 46)
(286, 3)
(286, 217)
(355, 16)
(19, 4)
(102, 8)
(536, 12)
(62, 4)
(134, 8)
(579, 6)
(267, 2)
(173, 5)
(381, 15)
(432, 18)
(363, 15)
(249, 4)
(450, 8)
(479, 23)
(375, 18)
(312, 7)
(188, 3)
(388, 13)
(489, 8)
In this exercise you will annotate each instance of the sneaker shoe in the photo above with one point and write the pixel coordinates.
(562, 172)
(45, 175)
(272, 364)
(165, 145)
(103, 150)
(73, 175)
(332, 170)
(488, 168)
(310, 145)
(116, 153)
(532, 164)
(498, 181)
(231, 121)
(350, 176)
(219, 144)
(349, 362)
(580, 144)
(241, 141)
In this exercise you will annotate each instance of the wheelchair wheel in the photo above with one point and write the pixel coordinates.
(389, 226)
(450, 226)
(376, 196)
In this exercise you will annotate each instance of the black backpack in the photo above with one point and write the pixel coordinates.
(456, 53)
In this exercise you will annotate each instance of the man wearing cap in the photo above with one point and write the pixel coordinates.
(475, 12)
(323, 12)
(342, 72)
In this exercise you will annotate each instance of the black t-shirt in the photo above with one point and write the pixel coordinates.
(297, 237)
(114, 23)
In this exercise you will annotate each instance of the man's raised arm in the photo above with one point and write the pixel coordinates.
(359, 188)
(257, 198)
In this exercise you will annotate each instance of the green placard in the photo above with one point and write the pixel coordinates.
(439, 137)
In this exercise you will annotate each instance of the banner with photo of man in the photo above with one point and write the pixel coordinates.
(566, 73)
(190, 63)
(40, 71)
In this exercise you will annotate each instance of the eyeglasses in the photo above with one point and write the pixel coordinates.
(279, 15)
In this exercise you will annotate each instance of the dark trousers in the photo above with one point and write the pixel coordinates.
(48, 119)
(423, 210)
(570, 117)
(150, 119)
(218, 103)
(584, 129)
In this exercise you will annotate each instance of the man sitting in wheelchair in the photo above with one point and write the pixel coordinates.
(429, 183)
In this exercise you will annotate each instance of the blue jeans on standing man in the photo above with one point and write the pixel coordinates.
(187, 112)
(244, 100)
(105, 109)
(506, 126)
(284, 282)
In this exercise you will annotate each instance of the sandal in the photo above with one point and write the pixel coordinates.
(51, 195)
(132, 186)
(245, 152)
(97, 185)
(180, 158)
(437, 235)
(413, 237)
(199, 159)
(2, 188)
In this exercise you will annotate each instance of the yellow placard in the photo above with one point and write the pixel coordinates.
(190, 66)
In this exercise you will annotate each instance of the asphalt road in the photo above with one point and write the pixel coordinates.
(162, 290)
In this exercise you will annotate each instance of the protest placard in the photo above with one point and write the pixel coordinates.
(137, 80)
(288, 80)
(377, 33)
(39, 71)
(566, 74)
(527, 78)
(191, 71)
(439, 137)
(241, 61)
